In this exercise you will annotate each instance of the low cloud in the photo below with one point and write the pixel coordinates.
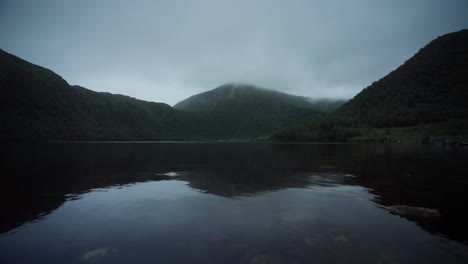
(168, 50)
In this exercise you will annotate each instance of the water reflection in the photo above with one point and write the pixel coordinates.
(251, 203)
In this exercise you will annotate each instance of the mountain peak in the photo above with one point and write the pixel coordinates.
(237, 85)
(242, 110)
(241, 96)
(238, 89)
(235, 93)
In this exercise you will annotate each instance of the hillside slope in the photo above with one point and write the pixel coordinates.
(247, 95)
(37, 104)
(425, 98)
(242, 110)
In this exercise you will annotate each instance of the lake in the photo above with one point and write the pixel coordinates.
(232, 203)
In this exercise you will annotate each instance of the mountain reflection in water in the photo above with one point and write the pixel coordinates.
(243, 202)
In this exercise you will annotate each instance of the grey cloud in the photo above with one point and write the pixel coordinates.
(168, 50)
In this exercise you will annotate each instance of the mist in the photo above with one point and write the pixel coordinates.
(166, 51)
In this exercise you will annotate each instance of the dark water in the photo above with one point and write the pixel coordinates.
(231, 203)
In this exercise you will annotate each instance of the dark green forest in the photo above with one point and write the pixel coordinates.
(243, 111)
(423, 99)
(37, 104)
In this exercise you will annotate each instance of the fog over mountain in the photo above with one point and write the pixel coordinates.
(166, 51)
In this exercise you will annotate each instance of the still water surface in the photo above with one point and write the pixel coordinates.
(231, 203)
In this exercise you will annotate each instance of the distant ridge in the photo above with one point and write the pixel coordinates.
(425, 99)
(242, 93)
(37, 104)
(239, 110)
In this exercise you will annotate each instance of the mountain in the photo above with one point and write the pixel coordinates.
(242, 111)
(234, 94)
(37, 104)
(423, 99)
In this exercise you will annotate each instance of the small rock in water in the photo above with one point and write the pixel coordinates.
(410, 211)
(99, 253)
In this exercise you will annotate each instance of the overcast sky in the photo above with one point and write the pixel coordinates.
(165, 51)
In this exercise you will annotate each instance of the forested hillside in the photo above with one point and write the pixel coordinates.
(242, 110)
(37, 104)
(425, 98)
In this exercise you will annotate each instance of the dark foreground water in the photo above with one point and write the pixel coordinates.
(231, 203)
